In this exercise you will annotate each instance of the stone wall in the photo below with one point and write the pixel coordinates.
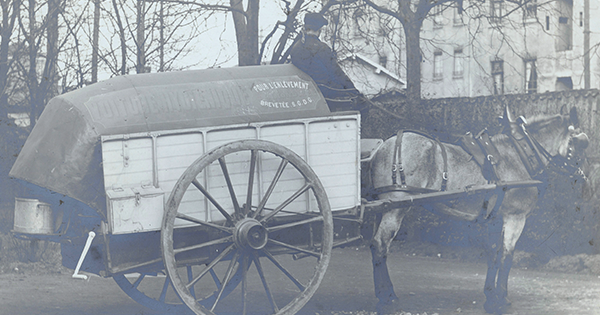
(459, 115)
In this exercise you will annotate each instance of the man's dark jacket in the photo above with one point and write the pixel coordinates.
(317, 60)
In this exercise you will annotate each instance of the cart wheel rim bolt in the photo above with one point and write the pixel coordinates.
(250, 234)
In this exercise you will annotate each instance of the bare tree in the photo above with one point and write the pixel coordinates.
(38, 36)
(10, 11)
(411, 15)
(149, 34)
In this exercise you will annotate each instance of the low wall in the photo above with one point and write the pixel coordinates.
(459, 115)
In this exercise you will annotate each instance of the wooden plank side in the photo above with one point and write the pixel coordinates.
(330, 145)
(127, 163)
(237, 165)
(175, 153)
(335, 158)
(291, 135)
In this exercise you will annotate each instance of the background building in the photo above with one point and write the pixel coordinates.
(493, 47)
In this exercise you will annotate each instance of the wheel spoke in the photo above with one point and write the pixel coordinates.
(138, 280)
(244, 284)
(197, 184)
(190, 275)
(264, 282)
(211, 265)
(213, 274)
(226, 239)
(293, 224)
(227, 279)
(163, 293)
(263, 202)
(238, 232)
(234, 201)
(293, 197)
(283, 269)
(306, 251)
(253, 156)
(205, 223)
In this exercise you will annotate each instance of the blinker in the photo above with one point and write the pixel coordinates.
(581, 141)
(573, 117)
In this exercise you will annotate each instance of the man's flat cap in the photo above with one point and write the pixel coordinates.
(314, 21)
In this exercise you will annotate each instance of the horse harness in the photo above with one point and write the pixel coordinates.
(482, 150)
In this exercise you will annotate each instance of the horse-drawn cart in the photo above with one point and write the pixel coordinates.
(189, 187)
(198, 175)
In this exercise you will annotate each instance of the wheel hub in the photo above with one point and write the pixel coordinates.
(250, 234)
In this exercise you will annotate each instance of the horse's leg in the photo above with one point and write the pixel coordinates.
(494, 256)
(387, 230)
(512, 229)
(503, 235)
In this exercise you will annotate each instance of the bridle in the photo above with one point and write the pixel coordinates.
(537, 159)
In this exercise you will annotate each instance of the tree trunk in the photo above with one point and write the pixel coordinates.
(246, 31)
(95, 39)
(161, 66)
(8, 22)
(32, 82)
(141, 37)
(412, 32)
(123, 70)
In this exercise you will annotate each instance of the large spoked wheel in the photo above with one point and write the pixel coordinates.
(250, 212)
(153, 291)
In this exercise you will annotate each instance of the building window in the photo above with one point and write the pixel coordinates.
(564, 40)
(437, 65)
(458, 18)
(496, 10)
(383, 59)
(564, 84)
(498, 76)
(530, 76)
(438, 18)
(458, 63)
(531, 10)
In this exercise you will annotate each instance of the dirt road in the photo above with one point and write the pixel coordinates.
(424, 284)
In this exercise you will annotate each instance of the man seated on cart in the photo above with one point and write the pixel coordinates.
(317, 60)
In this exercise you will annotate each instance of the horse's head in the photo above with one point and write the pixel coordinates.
(557, 138)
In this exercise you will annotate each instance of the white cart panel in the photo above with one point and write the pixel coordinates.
(154, 162)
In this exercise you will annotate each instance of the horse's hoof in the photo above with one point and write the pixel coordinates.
(497, 306)
(491, 305)
(503, 306)
(389, 307)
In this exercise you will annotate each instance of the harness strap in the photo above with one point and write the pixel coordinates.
(530, 152)
(398, 169)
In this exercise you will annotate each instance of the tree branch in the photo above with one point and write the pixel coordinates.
(215, 7)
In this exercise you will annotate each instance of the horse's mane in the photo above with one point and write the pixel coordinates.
(538, 121)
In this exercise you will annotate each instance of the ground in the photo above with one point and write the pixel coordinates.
(429, 279)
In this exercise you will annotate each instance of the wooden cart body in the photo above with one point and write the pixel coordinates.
(140, 168)
(119, 146)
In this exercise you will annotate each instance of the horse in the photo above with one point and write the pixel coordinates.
(412, 163)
